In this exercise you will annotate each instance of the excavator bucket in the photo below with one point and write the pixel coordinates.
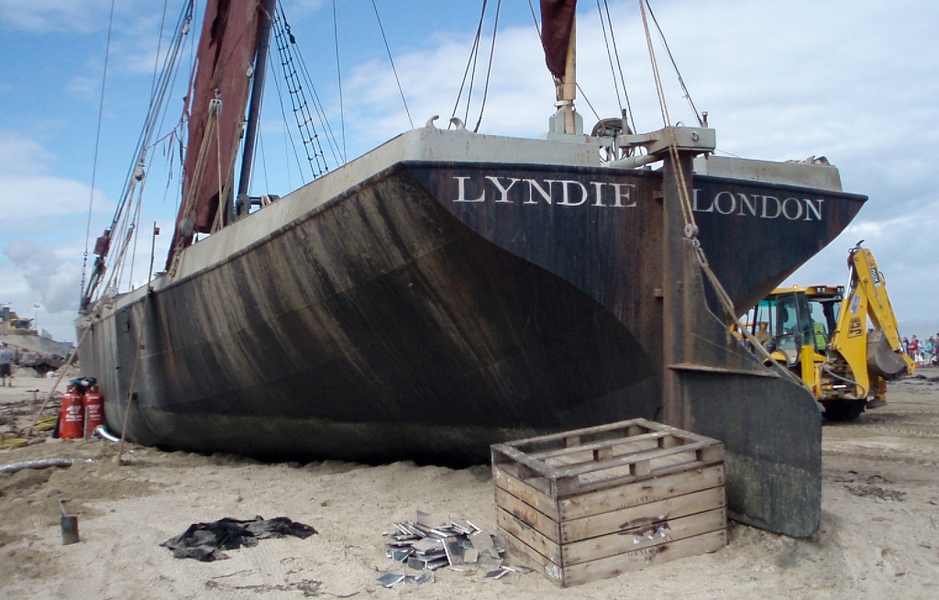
(881, 358)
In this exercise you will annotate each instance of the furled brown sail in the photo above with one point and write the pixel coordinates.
(557, 20)
(225, 63)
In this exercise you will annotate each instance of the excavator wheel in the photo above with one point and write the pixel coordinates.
(843, 410)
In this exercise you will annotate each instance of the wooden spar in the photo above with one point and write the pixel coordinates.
(567, 90)
(130, 397)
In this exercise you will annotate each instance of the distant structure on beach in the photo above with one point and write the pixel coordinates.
(34, 349)
(12, 324)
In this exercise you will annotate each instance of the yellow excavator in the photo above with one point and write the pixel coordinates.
(844, 346)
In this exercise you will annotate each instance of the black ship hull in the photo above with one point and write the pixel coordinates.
(435, 308)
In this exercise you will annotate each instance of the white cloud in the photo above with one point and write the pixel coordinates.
(22, 156)
(41, 233)
(28, 194)
(431, 81)
(53, 279)
(301, 8)
(40, 197)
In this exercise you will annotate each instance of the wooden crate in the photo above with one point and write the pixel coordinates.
(593, 503)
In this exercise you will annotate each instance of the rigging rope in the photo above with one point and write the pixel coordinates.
(472, 74)
(470, 64)
(189, 201)
(158, 97)
(94, 163)
(155, 114)
(609, 55)
(338, 154)
(156, 57)
(309, 136)
(691, 228)
(288, 136)
(219, 221)
(681, 81)
(492, 51)
(619, 66)
(136, 225)
(534, 18)
(392, 60)
(342, 118)
(587, 100)
(267, 183)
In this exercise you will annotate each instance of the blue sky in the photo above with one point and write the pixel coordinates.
(855, 81)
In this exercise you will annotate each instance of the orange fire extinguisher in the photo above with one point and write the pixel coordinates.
(94, 410)
(72, 415)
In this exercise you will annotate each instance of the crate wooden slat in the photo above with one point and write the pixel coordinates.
(622, 563)
(599, 501)
(578, 447)
(678, 528)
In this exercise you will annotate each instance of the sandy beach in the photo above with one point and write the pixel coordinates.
(879, 536)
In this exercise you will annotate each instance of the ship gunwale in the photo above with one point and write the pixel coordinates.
(155, 285)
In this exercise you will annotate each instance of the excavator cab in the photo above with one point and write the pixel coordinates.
(825, 307)
(792, 318)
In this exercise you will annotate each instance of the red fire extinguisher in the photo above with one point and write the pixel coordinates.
(94, 410)
(72, 415)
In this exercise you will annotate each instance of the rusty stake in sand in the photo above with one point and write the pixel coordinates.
(69, 526)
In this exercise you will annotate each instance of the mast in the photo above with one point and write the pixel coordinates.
(254, 110)
(567, 86)
(558, 37)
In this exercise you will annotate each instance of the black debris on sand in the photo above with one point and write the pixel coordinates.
(206, 541)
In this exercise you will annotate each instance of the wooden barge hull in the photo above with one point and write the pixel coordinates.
(392, 323)
(436, 308)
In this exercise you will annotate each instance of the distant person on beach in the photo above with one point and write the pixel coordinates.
(6, 364)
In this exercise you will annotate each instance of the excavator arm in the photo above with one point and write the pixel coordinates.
(873, 356)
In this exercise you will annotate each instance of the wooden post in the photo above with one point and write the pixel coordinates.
(130, 397)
